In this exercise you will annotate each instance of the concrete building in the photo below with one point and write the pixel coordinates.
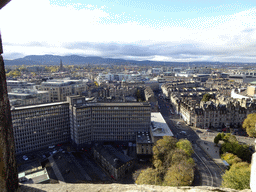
(12, 84)
(21, 97)
(60, 89)
(95, 122)
(159, 127)
(78, 121)
(39, 126)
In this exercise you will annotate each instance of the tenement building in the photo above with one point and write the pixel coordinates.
(78, 121)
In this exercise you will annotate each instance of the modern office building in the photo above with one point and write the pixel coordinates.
(99, 122)
(78, 121)
(22, 97)
(38, 126)
(60, 89)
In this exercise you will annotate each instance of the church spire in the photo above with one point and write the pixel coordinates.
(61, 66)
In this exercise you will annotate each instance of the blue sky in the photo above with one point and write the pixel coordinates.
(160, 30)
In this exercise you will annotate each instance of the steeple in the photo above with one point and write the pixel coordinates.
(61, 66)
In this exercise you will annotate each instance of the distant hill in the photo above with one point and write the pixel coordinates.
(77, 60)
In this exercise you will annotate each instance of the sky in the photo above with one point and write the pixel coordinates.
(156, 30)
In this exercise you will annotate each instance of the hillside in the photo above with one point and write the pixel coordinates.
(75, 59)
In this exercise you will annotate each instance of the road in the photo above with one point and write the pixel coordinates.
(210, 172)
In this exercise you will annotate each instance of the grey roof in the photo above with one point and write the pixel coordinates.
(112, 155)
(144, 137)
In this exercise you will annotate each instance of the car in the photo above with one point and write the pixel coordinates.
(59, 145)
(44, 156)
(178, 123)
(219, 130)
(183, 132)
(209, 130)
(55, 151)
(25, 157)
(51, 146)
(198, 131)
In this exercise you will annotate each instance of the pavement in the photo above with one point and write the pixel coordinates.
(207, 144)
(56, 170)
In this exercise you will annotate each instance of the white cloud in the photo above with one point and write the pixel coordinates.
(44, 28)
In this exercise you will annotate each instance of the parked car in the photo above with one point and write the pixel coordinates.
(183, 132)
(219, 130)
(209, 130)
(25, 157)
(198, 131)
(51, 146)
(55, 151)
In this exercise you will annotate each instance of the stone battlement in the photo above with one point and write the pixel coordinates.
(118, 188)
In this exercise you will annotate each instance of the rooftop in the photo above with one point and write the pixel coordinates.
(40, 105)
(159, 126)
(114, 157)
(144, 137)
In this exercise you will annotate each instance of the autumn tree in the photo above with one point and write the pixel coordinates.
(230, 158)
(207, 97)
(217, 138)
(149, 176)
(186, 146)
(242, 151)
(172, 163)
(180, 174)
(249, 125)
(13, 73)
(237, 177)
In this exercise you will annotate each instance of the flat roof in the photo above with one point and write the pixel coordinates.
(136, 104)
(40, 105)
(159, 126)
(144, 137)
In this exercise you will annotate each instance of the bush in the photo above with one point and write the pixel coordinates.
(238, 177)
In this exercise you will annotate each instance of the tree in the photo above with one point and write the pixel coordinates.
(186, 146)
(207, 97)
(242, 151)
(172, 162)
(163, 147)
(249, 124)
(231, 158)
(148, 176)
(238, 177)
(217, 138)
(180, 174)
(14, 73)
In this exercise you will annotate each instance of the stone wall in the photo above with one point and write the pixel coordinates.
(117, 188)
(8, 168)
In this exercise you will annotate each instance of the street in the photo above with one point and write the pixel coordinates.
(210, 172)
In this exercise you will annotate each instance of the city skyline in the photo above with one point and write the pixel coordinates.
(140, 30)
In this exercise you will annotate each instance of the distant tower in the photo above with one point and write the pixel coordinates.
(61, 66)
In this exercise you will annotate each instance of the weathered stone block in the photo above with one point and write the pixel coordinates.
(8, 168)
